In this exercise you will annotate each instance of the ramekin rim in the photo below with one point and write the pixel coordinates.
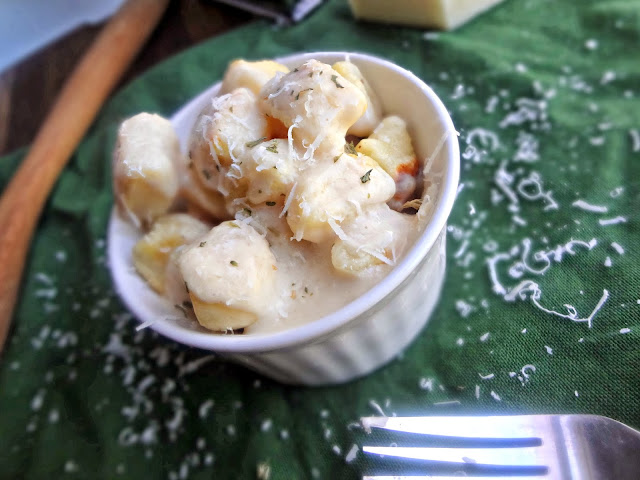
(335, 321)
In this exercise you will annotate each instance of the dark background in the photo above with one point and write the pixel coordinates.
(28, 88)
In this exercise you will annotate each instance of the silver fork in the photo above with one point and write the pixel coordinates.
(526, 447)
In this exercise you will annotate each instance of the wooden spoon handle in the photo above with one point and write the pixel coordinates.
(65, 125)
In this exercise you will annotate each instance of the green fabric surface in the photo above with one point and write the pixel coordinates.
(545, 97)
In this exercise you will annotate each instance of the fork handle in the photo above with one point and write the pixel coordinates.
(73, 111)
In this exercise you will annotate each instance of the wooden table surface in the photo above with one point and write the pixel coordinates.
(28, 89)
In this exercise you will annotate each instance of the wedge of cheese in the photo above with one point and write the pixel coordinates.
(442, 14)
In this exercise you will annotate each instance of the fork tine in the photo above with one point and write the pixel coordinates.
(507, 427)
(498, 457)
(452, 477)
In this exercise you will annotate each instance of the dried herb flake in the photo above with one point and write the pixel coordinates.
(255, 142)
(302, 91)
(350, 148)
(273, 148)
(366, 177)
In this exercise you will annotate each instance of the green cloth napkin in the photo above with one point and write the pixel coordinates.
(545, 98)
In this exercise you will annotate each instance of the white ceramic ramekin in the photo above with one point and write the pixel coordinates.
(374, 328)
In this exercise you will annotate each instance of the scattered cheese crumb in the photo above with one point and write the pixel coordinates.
(591, 44)
(589, 207)
(608, 77)
(54, 416)
(203, 411)
(351, 455)
(427, 383)
(635, 139)
(263, 471)
(617, 247)
(37, 401)
(616, 192)
(266, 425)
(612, 221)
(549, 349)
(625, 330)
(520, 68)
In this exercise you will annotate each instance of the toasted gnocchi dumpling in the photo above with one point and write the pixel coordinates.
(201, 199)
(145, 167)
(229, 273)
(151, 253)
(271, 171)
(390, 146)
(174, 286)
(334, 193)
(251, 75)
(372, 116)
(232, 124)
(316, 104)
(370, 239)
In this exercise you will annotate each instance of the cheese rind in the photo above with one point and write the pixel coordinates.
(441, 14)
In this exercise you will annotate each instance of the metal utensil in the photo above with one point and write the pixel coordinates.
(282, 12)
(535, 446)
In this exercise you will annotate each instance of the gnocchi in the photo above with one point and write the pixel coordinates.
(145, 167)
